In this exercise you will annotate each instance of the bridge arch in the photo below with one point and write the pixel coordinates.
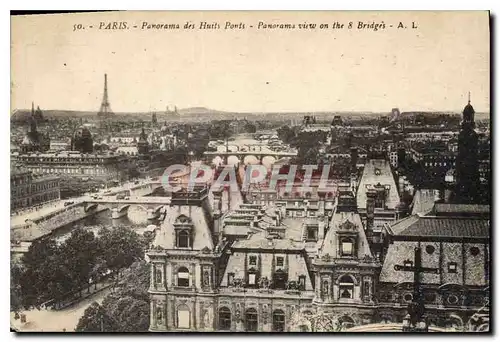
(250, 159)
(89, 207)
(123, 207)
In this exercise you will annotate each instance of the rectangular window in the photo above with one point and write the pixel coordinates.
(251, 279)
(252, 260)
(183, 279)
(347, 248)
(452, 267)
(183, 319)
(279, 261)
(312, 233)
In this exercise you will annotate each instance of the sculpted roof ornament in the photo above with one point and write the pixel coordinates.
(347, 225)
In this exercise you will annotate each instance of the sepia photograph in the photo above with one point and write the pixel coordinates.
(250, 172)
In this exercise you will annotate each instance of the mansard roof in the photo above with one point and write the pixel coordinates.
(201, 224)
(377, 171)
(350, 223)
(441, 227)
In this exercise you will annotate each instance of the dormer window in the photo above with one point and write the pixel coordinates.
(312, 233)
(347, 247)
(183, 227)
(183, 239)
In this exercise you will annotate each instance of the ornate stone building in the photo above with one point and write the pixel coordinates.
(455, 241)
(257, 267)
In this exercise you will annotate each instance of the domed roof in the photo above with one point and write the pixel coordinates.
(82, 132)
(468, 108)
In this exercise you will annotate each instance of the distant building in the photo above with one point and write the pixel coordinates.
(28, 189)
(127, 150)
(337, 121)
(34, 141)
(71, 163)
(377, 182)
(60, 145)
(124, 138)
(467, 166)
(393, 158)
(432, 157)
(142, 144)
(82, 141)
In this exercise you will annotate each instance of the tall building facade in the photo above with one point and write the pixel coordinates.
(28, 190)
(467, 166)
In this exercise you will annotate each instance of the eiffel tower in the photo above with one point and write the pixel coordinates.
(105, 110)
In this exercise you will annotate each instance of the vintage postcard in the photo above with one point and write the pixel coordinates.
(254, 171)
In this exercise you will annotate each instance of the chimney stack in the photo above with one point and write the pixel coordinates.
(370, 210)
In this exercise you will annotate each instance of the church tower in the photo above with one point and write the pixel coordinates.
(142, 144)
(467, 169)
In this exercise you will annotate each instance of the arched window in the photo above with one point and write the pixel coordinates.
(183, 277)
(251, 321)
(278, 321)
(183, 239)
(346, 287)
(183, 317)
(224, 319)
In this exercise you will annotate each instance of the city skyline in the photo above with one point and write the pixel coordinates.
(253, 70)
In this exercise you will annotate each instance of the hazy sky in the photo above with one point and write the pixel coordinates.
(429, 68)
